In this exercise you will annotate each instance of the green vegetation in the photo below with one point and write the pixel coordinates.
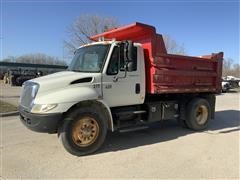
(6, 107)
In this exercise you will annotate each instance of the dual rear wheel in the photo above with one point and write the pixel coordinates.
(198, 114)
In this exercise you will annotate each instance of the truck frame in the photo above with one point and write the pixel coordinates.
(124, 81)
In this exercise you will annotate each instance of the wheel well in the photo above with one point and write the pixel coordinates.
(94, 104)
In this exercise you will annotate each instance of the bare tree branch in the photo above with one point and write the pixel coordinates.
(230, 69)
(86, 26)
(172, 46)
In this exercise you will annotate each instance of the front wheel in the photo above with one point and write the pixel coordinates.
(83, 132)
(198, 114)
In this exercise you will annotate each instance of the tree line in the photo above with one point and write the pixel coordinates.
(230, 68)
(37, 58)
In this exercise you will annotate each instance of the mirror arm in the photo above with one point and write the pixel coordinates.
(125, 75)
(115, 78)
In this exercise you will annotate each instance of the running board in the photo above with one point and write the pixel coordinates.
(130, 129)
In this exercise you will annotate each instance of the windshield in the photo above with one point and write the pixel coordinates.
(89, 58)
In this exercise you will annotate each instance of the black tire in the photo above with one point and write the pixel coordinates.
(67, 131)
(198, 114)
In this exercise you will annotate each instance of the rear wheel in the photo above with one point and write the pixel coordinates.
(198, 114)
(83, 131)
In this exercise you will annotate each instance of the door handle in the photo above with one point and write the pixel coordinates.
(137, 88)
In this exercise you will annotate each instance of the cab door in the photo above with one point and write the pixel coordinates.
(121, 88)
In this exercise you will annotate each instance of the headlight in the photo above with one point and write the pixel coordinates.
(40, 108)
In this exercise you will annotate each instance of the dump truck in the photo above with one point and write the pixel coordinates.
(124, 80)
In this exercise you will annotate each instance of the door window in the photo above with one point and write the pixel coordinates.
(113, 63)
(113, 66)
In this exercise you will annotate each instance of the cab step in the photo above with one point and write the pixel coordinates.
(130, 129)
(139, 112)
(124, 113)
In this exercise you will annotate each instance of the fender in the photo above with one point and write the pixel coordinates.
(103, 107)
(109, 113)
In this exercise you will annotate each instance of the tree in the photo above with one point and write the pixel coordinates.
(88, 25)
(85, 26)
(230, 69)
(227, 65)
(236, 70)
(172, 46)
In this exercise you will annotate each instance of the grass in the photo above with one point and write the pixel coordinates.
(6, 107)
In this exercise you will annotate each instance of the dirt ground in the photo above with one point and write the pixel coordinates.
(9, 94)
(163, 151)
(6, 107)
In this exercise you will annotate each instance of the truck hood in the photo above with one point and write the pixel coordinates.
(63, 80)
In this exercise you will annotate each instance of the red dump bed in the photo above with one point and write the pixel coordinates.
(169, 73)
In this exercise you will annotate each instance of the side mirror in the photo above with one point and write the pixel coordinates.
(130, 66)
(128, 51)
(128, 55)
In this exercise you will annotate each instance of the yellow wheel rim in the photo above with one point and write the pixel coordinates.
(202, 114)
(85, 131)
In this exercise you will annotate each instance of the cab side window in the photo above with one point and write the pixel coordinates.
(113, 63)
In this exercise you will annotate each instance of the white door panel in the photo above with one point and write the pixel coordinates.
(124, 90)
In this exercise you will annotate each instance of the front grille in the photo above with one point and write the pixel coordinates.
(26, 97)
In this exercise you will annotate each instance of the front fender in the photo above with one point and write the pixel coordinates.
(105, 105)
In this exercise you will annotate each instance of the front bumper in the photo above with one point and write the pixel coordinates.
(47, 123)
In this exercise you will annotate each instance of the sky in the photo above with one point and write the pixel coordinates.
(203, 27)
